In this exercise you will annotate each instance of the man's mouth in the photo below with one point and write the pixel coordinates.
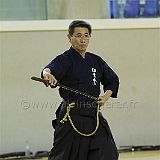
(82, 45)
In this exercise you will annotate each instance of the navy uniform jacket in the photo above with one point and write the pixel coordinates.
(84, 74)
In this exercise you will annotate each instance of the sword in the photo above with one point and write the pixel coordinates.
(46, 82)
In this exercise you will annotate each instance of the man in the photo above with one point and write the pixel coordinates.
(81, 132)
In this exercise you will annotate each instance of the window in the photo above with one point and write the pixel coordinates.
(23, 10)
(134, 8)
(77, 9)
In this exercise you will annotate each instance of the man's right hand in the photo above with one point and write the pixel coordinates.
(48, 76)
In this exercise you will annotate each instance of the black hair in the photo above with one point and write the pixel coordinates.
(79, 23)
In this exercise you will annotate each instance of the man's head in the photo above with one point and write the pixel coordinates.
(79, 35)
(79, 23)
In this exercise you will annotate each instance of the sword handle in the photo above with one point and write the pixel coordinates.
(46, 82)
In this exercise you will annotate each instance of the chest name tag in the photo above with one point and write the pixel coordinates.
(94, 76)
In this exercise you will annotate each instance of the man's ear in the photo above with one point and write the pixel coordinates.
(69, 37)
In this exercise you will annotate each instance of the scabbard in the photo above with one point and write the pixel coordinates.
(46, 82)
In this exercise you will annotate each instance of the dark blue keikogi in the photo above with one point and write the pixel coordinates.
(84, 74)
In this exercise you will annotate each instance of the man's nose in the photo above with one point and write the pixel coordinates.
(83, 40)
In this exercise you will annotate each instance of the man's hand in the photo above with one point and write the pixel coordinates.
(48, 76)
(104, 98)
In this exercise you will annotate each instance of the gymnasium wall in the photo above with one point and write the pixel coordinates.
(53, 9)
(27, 107)
(69, 9)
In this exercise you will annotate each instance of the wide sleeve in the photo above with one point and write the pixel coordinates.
(109, 79)
(59, 66)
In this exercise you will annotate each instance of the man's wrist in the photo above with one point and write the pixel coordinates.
(46, 71)
(108, 93)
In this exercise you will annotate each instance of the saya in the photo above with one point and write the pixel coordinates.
(64, 87)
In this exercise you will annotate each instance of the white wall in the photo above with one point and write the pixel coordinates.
(73, 9)
(53, 9)
(133, 53)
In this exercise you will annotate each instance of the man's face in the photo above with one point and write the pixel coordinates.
(80, 39)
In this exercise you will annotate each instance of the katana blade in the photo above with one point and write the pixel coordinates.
(46, 82)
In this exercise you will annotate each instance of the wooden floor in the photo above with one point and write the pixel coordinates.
(141, 155)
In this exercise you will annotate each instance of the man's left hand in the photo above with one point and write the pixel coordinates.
(104, 98)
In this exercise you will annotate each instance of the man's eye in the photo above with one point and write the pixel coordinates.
(79, 36)
(87, 36)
